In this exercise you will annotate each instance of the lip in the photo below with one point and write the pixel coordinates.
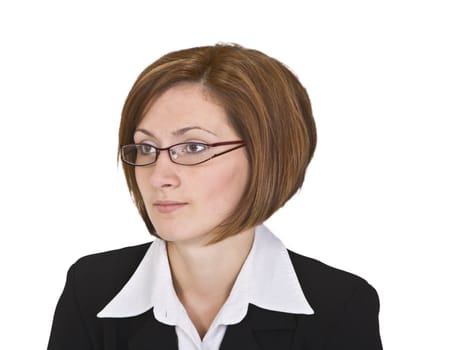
(165, 207)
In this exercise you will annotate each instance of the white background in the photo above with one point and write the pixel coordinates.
(376, 198)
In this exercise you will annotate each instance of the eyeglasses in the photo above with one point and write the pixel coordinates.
(186, 153)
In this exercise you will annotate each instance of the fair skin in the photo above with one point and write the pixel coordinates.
(185, 203)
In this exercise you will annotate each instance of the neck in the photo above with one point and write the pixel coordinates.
(208, 272)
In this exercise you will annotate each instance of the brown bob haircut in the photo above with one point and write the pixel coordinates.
(265, 103)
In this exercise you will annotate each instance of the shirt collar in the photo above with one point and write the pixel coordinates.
(267, 279)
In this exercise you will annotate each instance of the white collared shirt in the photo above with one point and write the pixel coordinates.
(267, 279)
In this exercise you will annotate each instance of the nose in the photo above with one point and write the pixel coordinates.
(163, 173)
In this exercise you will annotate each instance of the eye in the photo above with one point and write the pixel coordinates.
(145, 149)
(193, 147)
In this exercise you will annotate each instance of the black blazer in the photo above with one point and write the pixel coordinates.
(346, 312)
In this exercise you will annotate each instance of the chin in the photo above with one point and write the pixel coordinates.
(181, 234)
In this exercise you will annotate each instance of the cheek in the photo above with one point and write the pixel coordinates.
(147, 190)
(139, 176)
(222, 190)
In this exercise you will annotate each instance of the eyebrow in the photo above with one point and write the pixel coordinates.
(178, 132)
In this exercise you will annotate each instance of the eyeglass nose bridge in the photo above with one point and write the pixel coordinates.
(172, 153)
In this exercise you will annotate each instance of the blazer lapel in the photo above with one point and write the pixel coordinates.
(147, 333)
(262, 330)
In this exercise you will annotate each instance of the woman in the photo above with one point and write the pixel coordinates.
(213, 141)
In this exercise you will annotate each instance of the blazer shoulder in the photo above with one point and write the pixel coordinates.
(103, 260)
(96, 278)
(327, 287)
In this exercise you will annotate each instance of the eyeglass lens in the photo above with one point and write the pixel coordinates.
(187, 153)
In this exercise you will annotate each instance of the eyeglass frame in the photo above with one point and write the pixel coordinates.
(158, 151)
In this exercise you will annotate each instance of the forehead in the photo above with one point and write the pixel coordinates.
(184, 105)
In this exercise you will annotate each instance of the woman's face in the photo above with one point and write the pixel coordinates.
(185, 203)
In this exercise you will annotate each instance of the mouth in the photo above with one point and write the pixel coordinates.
(165, 207)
